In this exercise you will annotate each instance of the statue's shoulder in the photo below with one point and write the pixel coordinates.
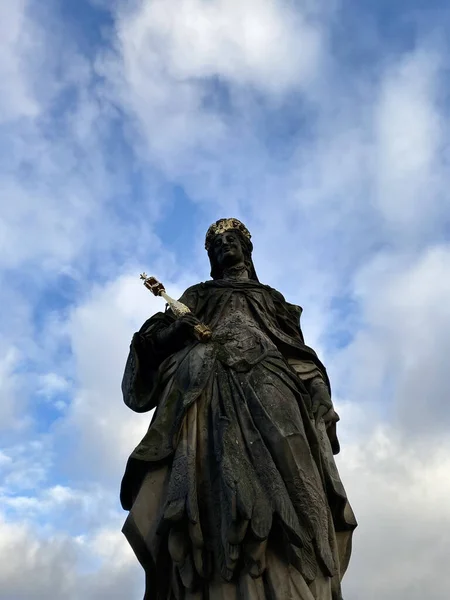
(275, 293)
(278, 297)
(193, 289)
(198, 290)
(211, 285)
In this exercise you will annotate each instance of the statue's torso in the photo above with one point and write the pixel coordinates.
(239, 339)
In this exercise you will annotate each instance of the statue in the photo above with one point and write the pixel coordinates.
(233, 493)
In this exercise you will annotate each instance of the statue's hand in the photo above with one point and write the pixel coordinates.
(326, 413)
(183, 327)
(322, 407)
(172, 338)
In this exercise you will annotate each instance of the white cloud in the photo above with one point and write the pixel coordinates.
(57, 182)
(36, 567)
(399, 358)
(47, 564)
(258, 43)
(52, 383)
(17, 37)
(9, 396)
(25, 463)
(411, 130)
(180, 67)
(400, 494)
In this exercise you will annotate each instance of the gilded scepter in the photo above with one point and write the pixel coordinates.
(202, 332)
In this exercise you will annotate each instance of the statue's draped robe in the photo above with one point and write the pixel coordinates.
(233, 493)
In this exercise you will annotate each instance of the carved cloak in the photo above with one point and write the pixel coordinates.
(233, 492)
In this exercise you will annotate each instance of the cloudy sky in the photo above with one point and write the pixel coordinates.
(126, 128)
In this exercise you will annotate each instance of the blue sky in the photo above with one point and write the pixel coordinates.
(126, 128)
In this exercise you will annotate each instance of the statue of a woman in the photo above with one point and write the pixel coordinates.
(233, 493)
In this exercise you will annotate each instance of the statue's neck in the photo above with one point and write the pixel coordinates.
(236, 272)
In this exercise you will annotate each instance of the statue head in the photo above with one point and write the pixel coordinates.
(228, 245)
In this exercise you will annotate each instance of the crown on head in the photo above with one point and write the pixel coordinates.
(223, 225)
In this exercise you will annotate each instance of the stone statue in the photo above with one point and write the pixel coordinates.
(233, 493)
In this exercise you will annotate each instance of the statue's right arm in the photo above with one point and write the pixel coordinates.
(163, 341)
(141, 369)
(159, 337)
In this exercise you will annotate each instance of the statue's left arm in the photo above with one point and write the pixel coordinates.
(309, 369)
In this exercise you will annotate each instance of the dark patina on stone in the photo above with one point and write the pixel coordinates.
(233, 493)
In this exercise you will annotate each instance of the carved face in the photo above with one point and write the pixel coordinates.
(227, 249)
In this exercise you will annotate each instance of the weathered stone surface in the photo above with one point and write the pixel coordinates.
(233, 493)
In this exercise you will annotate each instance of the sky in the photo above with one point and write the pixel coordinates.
(126, 128)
